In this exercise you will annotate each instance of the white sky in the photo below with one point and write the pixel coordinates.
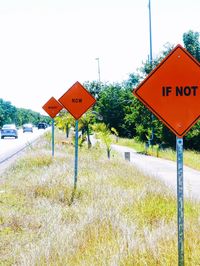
(48, 45)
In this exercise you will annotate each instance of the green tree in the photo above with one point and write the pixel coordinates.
(111, 106)
(138, 117)
(85, 122)
(7, 113)
(119, 109)
(64, 121)
(11, 114)
(28, 116)
(192, 44)
(132, 81)
(104, 133)
(94, 88)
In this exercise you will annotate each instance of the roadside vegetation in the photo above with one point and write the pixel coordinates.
(191, 157)
(116, 216)
(9, 114)
(117, 108)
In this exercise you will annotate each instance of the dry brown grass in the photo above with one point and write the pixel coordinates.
(117, 216)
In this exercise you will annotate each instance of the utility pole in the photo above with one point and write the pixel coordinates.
(150, 61)
(150, 35)
(98, 65)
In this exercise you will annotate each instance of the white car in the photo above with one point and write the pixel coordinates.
(9, 130)
(27, 128)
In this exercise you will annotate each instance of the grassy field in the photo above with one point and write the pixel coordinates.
(191, 158)
(116, 217)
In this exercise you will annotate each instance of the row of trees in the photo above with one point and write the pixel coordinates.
(19, 116)
(119, 109)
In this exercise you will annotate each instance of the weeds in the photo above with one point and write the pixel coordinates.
(117, 216)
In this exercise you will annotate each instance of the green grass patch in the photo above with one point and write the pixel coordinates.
(138, 146)
(151, 209)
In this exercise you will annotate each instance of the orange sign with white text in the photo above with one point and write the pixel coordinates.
(52, 107)
(77, 100)
(172, 91)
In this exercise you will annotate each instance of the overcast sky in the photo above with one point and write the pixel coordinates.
(48, 45)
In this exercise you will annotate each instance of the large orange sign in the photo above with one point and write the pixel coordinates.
(77, 100)
(52, 107)
(172, 91)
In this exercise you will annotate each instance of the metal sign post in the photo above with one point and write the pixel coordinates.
(180, 201)
(76, 154)
(161, 89)
(77, 100)
(52, 138)
(52, 107)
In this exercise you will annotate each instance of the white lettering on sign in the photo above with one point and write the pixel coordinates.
(179, 90)
(77, 100)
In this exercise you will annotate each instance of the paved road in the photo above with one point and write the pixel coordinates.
(164, 170)
(10, 147)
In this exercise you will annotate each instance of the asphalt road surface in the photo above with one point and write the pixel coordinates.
(9, 147)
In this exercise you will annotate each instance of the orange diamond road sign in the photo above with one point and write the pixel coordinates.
(77, 100)
(172, 91)
(52, 107)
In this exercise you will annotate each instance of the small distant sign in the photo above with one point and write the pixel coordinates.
(172, 91)
(52, 107)
(77, 100)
